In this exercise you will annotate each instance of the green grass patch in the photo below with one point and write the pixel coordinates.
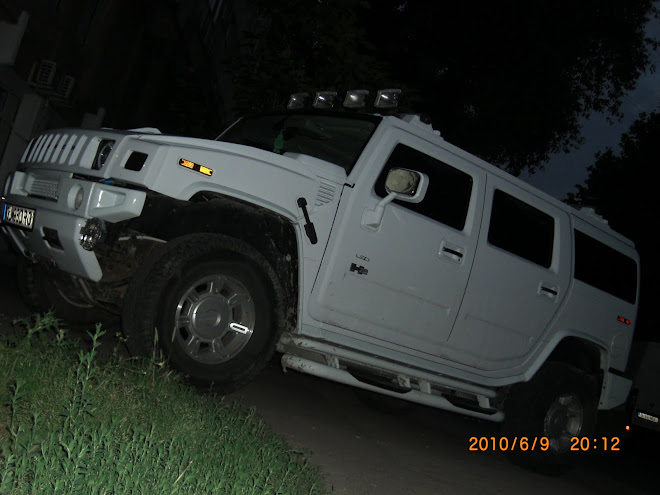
(72, 424)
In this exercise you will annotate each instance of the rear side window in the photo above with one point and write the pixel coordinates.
(448, 196)
(521, 229)
(605, 268)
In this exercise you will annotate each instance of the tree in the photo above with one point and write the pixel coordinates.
(304, 45)
(510, 80)
(623, 189)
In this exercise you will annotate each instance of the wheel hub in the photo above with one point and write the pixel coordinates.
(214, 319)
(207, 316)
(563, 421)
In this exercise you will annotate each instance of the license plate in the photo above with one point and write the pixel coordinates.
(18, 216)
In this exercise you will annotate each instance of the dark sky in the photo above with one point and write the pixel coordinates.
(564, 171)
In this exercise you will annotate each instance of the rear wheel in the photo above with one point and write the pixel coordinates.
(558, 404)
(212, 301)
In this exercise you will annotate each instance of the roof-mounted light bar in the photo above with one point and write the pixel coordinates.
(387, 98)
(298, 101)
(355, 98)
(325, 99)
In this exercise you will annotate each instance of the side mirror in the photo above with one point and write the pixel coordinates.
(402, 184)
(408, 185)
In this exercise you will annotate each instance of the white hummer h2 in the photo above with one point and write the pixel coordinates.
(363, 247)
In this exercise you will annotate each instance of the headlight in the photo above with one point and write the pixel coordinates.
(102, 153)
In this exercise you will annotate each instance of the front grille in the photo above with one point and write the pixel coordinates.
(56, 148)
(44, 188)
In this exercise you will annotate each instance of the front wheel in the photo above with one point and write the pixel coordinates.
(212, 300)
(558, 404)
(40, 292)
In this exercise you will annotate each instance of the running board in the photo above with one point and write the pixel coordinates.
(307, 366)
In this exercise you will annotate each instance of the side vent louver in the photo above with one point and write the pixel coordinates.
(326, 193)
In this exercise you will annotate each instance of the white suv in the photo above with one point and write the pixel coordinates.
(363, 247)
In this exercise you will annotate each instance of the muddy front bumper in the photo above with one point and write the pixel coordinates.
(45, 215)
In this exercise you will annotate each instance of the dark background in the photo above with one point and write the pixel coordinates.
(510, 81)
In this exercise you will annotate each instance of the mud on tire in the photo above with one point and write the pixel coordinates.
(213, 300)
(40, 293)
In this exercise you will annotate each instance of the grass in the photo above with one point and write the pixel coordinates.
(72, 424)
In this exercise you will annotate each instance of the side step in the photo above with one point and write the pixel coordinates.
(310, 367)
(380, 381)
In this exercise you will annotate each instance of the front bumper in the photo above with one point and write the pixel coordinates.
(63, 205)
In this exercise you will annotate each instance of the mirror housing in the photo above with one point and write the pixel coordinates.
(409, 185)
(402, 184)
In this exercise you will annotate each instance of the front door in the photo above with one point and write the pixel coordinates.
(401, 284)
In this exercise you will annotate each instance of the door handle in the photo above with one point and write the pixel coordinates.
(451, 252)
(550, 291)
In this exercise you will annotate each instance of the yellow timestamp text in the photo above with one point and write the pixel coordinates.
(504, 444)
(588, 444)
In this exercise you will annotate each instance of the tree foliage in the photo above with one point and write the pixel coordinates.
(507, 80)
(510, 80)
(622, 188)
(304, 45)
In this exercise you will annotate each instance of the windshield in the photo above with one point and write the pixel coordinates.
(338, 139)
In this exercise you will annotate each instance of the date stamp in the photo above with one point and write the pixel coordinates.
(506, 444)
(531, 444)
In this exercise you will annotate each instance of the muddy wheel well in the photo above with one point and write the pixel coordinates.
(583, 355)
(573, 351)
(207, 212)
(579, 353)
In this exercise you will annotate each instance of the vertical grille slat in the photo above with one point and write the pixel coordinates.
(37, 147)
(52, 149)
(44, 148)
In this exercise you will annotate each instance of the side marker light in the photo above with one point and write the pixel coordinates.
(621, 319)
(196, 167)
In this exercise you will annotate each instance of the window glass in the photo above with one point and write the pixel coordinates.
(448, 196)
(521, 229)
(605, 268)
(338, 139)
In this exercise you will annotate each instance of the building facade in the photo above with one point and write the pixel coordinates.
(115, 63)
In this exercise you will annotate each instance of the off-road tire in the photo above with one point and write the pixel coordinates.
(39, 292)
(559, 402)
(158, 295)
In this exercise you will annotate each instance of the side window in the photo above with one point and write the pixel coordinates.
(448, 196)
(521, 229)
(605, 268)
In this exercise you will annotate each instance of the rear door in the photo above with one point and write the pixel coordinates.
(519, 279)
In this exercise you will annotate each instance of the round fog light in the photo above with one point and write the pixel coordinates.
(75, 197)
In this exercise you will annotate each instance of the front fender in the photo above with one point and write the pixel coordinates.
(258, 177)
